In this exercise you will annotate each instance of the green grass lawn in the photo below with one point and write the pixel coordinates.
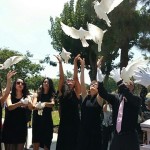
(55, 116)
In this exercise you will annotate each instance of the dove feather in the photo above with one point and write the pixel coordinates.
(115, 3)
(70, 31)
(97, 34)
(132, 66)
(109, 5)
(11, 61)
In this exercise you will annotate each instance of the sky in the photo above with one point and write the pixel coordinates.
(24, 26)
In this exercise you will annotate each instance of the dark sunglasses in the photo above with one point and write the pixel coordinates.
(93, 84)
(18, 83)
(46, 82)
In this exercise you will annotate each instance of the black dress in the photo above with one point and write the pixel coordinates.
(0, 124)
(90, 129)
(15, 125)
(69, 122)
(42, 125)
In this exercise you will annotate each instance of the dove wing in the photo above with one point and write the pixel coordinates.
(105, 5)
(16, 59)
(65, 55)
(132, 66)
(96, 32)
(114, 4)
(85, 34)
(1, 66)
(70, 31)
(7, 63)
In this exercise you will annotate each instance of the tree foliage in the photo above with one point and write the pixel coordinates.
(129, 27)
(24, 68)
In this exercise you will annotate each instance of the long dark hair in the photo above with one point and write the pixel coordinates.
(51, 91)
(25, 91)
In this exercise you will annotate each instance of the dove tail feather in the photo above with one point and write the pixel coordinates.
(84, 43)
(99, 47)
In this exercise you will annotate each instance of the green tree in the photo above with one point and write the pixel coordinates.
(24, 68)
(34, 82)
(128, 25)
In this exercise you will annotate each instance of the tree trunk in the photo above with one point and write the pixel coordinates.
(124, 58)
(93, 64)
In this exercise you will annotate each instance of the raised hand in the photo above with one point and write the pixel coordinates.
(82, 62)
(99, 62)
(10, 74)
(58, 58)
(77, 58)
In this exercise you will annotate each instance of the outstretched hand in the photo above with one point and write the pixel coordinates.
(58, 58)
(10, 74)
(99, 62)
(77, 58)
(82, 62)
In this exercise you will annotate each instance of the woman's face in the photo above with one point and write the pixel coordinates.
(130, 86)
(70, 83)
(46, 84)
(19, 84)
(94, 87)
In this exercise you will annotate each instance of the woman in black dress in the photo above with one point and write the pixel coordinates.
(15, 124)
(91, 110)
(3, 97)
(42, 123)
(69, 96)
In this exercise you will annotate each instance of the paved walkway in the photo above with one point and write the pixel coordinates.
(29, 141)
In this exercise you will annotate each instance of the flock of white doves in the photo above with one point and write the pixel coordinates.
(133, 69)
(94, 33)
(137, 68)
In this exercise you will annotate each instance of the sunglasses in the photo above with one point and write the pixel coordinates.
(93, 84)
(46, 82)
(68, 80)
(18, 83)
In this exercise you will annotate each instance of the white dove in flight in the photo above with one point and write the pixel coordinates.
(11, 61)
(65, 55)
(105, 7)
(81, 34)
(97, 34)
(128, 71)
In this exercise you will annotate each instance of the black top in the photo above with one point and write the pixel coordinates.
(131, 106)
(69, 122)
(15, 125)
(42, 126)
(69, 106)
(90, 129)
(91, 114)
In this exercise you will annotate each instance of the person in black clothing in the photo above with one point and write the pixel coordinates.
(3, 97)
(127, 138)
(42, 123)
(69, 98)
(14, 130)
(143, 94)
(91, 111)
(142, 114)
